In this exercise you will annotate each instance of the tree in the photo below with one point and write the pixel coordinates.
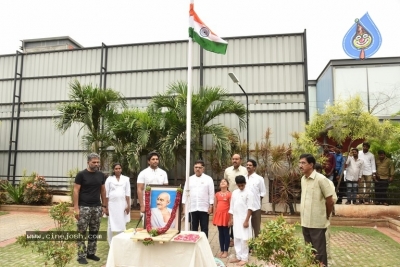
(348, 119)
(133, 133)
(60, 249)
(276, 163)
(208, 103)
(89, 106)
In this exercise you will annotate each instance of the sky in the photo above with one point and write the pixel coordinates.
(93, 22)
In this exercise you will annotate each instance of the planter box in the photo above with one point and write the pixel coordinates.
(28, 208)
(59, 198)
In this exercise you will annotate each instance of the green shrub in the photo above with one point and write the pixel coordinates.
(37, 192)
(71, 175)
(277, 244)
(15, 193)
(26, 179)
(60, 251)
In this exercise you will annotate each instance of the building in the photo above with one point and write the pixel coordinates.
(272, 70)
(377, 80)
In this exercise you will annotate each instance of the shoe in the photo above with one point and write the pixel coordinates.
(82, 261)
(357, 203)
(386, 204)
(366, 203)
(348, 203)
(92, 257)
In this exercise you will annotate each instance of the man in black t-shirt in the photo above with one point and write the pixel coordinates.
(88, 188)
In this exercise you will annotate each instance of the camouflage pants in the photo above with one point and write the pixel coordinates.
(88, 217)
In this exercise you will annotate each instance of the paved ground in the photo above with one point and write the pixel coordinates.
(16, 223)
(361, 247)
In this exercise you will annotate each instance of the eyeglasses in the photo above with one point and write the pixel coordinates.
(198, 167)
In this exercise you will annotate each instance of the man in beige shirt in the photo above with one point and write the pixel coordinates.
(316, 206)
(384, 175)
(234, 170)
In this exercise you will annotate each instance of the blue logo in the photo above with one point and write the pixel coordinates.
(363, 38)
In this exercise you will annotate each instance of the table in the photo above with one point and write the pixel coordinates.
(126, 252)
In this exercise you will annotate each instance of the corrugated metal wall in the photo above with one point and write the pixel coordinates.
(271, 69)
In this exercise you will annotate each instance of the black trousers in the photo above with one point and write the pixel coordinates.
(342, 187)
(316, 237)
(381, 189)
(199, 218)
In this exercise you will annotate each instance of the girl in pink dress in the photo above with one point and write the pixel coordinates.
(221, 216)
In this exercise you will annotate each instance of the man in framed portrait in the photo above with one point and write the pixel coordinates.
(161, 214)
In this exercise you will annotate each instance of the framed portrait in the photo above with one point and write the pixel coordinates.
(162, 199)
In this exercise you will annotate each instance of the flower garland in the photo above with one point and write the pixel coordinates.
(162, 230)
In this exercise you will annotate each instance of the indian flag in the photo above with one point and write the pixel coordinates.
(204, 36)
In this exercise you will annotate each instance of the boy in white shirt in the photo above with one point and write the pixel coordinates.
(240, 212)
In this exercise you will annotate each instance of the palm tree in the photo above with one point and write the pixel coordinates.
(207, 104)
(276, 162)
(133, 133)
(91, 107)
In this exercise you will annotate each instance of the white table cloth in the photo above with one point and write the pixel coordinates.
(125, 251)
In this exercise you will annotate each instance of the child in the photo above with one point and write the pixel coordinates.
(240, 212)
(221, 216)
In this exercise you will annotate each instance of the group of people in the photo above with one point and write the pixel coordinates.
(237, 204)
(318, 194)
(237, 209)
(363, 176)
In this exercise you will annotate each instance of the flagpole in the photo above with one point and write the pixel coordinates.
(188, 123)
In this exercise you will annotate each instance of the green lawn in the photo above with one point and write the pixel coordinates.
(350, 246)
(14, 255)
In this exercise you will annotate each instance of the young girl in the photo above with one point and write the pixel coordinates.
(221, 216)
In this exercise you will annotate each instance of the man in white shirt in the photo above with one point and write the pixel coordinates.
(234, 170)
(365, 185)
(151, 175)
(255, 183)
(201, 198)
(354, 167)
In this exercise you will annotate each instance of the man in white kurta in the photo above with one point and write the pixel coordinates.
(201, 198)
(118, 193)
(255, 183)
(240, 210)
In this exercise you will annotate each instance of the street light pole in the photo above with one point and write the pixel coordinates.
(235, 80)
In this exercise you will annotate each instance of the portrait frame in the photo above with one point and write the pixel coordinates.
(156, 190)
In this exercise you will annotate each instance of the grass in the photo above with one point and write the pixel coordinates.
(15, 255)
(3, 213)
(350, 246)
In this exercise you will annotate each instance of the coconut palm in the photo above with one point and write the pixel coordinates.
(89, 106)
(208, 103)
(133, 133)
